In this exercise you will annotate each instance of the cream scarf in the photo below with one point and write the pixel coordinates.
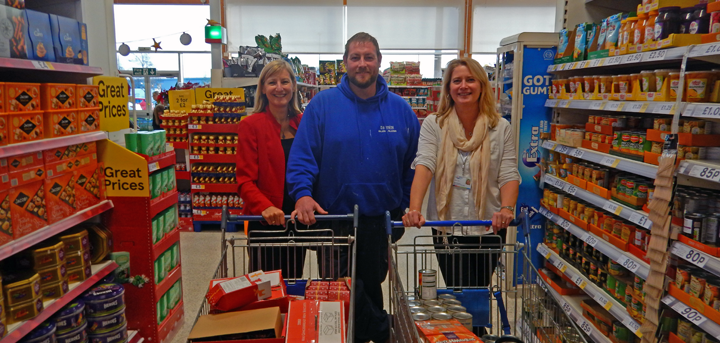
(453, 139)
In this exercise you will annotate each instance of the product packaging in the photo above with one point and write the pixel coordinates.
(22, 97)
(581, 36)
(27, 208)
(170, 220)
(89, 120)
(131, 141)
(145, 143)
(26, 126)
(66, 39)
(6, 229)
(57, 96)
(89, 185)
(301, 326)
(40, 43)
(60, 196)
(265, 323)
(60, 123)
(613, 31)
(84, 46)
(227, 295)
(441, 330)
(87, 96)
(122, 272)
(13, 43)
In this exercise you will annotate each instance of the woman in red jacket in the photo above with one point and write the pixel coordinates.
(265, 139)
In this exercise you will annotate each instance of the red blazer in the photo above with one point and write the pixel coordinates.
(261, 162)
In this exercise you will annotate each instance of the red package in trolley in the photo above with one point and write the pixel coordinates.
(230, 294)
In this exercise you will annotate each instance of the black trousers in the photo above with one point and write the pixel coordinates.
(472, 269)
(290, 259)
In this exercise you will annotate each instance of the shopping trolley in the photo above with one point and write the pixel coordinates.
(513, 285)
(238, 253)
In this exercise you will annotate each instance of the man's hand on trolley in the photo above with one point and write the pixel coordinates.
(501, 220)
(274, 216)
(305, 209)
(413, 218)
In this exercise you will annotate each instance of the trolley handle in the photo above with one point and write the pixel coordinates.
(514, 222)
(322, 217)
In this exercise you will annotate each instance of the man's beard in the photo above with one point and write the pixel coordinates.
(363, 85)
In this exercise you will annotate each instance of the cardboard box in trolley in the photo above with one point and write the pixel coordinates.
(227, 295)
(257, 326)
(300, 322)
(279, 296)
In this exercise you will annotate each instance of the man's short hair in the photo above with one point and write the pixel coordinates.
(361, 37)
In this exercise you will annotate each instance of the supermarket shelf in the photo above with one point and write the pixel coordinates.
(213, 187)
(169, 328)
(394, 86)
(7, 64)
(326, 86)
(619, 163)
(637, 217)
(134, 337)
(630, 60)
(303, 84)
(179, 145)
(213, 158)
(235, 82)
(182, 175)
(41, 234)
(702, 110)
(627, 260)
(706, 170)
(162, 202)
(692, 315)
(213, 128)
(168, 281)
(18, 330)
(707, 52)
(655, 107)
(161, 161)
(414, 97)
(616, 309)
(571, 306)
(696, 257)
(50, 143)
(419, 108)
(165, 243)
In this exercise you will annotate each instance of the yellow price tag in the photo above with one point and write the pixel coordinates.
(618, 210)
(563, 269)
(554, 146)
(602, 61)
(638, 333)
(547, 257)
(582, 285)
(620, 107)
(608, 306)
(672, 109)
(615, 164)
(567, 105)
(644, 107)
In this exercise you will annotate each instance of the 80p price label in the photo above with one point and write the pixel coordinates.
(628, 263)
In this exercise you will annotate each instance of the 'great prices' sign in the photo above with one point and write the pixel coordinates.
(209, 94)
(113, 92)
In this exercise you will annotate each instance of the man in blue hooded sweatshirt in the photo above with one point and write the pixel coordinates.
(355, 145)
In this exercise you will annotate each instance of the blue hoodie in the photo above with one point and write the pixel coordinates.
(351, 151)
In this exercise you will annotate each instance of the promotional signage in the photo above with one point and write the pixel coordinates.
(144, 71)
(535, 120)
(113, 93)
(181, 100)
(202, 94)
(126, 173)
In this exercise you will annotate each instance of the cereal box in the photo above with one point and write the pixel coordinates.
(26, 126)
(87, 96)
(22, 97)
(27, 208)
(66, 39)
(61, 123)
(57, 96)
(60, 196)
(14, 37)
(40, 43)
(88, 187)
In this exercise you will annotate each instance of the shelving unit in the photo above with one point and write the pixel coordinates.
(18, 330)
(619, 163)
(692, 315)
(620, 210)
(654, 107)
(696, 257)
(571, 306)
(629, 60)
(50, 143)
(705, 170)
(628, 261)
(616, 309)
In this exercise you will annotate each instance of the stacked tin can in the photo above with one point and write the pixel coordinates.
(700, 210)
(105, 313)
(436, 306)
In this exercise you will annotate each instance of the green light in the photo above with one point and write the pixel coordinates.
(215, 34)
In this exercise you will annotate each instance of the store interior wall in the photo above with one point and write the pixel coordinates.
(594, 11)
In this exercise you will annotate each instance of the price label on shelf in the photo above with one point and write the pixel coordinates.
(580, 282)
(667, 300)
(196, 157)
(566, 307)
(586, 326)
(657, 55)
(197, 186)
(42, 65)
(584, 64)
(628, 263)
(709, 111)
(571, 189)
(577, 153)
(613, 60)
(548, 145)
(571, 65)
(633, 58)
(565, 224)
(597, 63)
(644, 107)
(558, 183)
(689, 254)
(563, 103)
(610, 162)
(560, 266)
(549, 215)
(689, 313)
(613, 106)
(591, 240)
(194, 127)
(597, 105)
(640, 219)
(666, 108)
(632, 325)
(707, 173)
(603, 301)
(544, 251)
(612, 208)
(550, 103)
(636, 106)
(551, 68)
(712, 49)
(153, 167)
(562, 149)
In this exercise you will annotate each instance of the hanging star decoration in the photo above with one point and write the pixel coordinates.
(156, 45)
(211, 22)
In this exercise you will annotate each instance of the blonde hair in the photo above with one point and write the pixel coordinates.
(486, 101)
(269, 70)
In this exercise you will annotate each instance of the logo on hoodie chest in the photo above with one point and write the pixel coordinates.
(386, 128)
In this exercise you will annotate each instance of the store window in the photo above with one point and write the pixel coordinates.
(494, 20)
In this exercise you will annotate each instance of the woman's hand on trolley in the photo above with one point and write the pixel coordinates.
(413, 218)
(305, 209)
(274, 216)
(501, 220)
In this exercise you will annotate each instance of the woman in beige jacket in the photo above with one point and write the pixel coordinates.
(466, 156)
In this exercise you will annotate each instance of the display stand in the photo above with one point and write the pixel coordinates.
(131, 225)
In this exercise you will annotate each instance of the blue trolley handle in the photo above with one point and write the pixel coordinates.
(440, 223)
(319, 217)
(503, 312)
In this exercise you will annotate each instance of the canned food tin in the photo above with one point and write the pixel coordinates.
(464, 318)
(441, 316)
(427, 303)
(416, 309)
(414, 303)
(434, 309)
(692, 225)
(421, 316)
(456, 308)
(711, 226)
(428, 283)
(446, 296)
(449, 302)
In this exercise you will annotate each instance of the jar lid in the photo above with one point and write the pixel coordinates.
(72, 308)
(47, 327)
(104, 291)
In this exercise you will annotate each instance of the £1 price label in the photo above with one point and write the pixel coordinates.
(689, 313)
(580, 282)
(597, 63)
(550, 103)
(689, 254)
(628, 263)
(610, 162)
(577, 153)
(657, 55)
(710, 111)
(641, 220)
(563, 103)
(707, 173)
(562, 149)
(712, 49)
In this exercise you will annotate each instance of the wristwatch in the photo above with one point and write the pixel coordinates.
(511, 208)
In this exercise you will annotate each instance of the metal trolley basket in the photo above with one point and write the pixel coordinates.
(237, 253)
(514, 288)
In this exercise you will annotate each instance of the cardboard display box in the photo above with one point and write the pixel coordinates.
(255, 325)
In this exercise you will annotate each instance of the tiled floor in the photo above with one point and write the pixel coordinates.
(200, 254)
